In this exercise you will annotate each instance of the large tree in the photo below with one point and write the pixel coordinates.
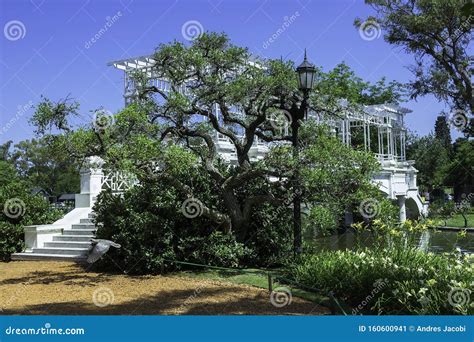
(218, 89)
(438, 33)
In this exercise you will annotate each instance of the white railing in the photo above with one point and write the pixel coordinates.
(118, 181)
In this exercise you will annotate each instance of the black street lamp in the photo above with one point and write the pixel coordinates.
(306, 74)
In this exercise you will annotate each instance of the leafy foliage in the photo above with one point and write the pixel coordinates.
(342, 83)
(442, 132)
(50, 116)
(438, 33)
(46, 166)
(459, 171)
(401, 280)
(149, 223)
(11, 240)
(431, 156)
(28, 209)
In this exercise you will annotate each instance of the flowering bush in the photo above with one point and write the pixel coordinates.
(391, 280)
(389, 234)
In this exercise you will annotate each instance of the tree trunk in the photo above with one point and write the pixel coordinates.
(238, 223)
(465, 219)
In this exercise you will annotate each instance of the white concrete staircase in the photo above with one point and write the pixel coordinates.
(70, 244)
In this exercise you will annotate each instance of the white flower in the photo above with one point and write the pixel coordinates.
(423, 290)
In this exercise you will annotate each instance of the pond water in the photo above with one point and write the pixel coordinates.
(434, 241)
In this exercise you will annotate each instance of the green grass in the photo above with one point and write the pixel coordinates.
(259, 279)
(458, 221)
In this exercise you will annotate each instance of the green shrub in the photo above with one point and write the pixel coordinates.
(320, 221)
(18, 209)
(148, 223)
(271, 237)
(217, 249)
(391, 280)
(11, 240)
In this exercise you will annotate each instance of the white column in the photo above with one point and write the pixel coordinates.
(380, 137)
(365, 134)
(91, 182)
(349, 134)
(401, 204)
(403, 146)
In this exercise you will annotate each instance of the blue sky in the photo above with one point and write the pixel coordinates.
(46, 47)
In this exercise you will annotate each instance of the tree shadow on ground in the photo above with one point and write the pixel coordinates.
(69, 277)
(206, 301)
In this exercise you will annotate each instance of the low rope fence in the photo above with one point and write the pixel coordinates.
(337, 305)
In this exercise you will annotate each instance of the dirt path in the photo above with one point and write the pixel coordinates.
(63, 288)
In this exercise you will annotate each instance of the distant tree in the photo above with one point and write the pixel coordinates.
(431, 157)
(438, 33)
(5, 150)
(442, 132)
(46, 166)
(464, 208)
(459, 171)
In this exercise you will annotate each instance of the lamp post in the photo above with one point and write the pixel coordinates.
(306, 74)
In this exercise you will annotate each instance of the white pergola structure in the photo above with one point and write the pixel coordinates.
(386, 121)
(379, 128)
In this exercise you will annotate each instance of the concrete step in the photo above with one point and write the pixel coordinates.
(61, 250)
(42, 256)
(68, 244)
(72, 245)
(78, 232)
(83, 226)
(76, 238)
